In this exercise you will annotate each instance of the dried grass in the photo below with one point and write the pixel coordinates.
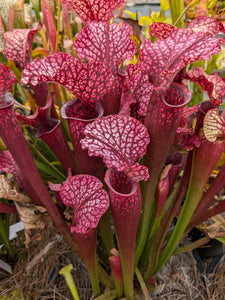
(35, 276)
(217, 286)
(182, 280)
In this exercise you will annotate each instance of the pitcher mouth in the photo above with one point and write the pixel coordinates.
(184, 94)
(77, 109)
(126, 188)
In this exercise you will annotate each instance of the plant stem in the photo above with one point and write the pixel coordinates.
(22, 93)
(93, 274)
(5, 236)
(208, 199)
(144, 225)
(44, 39)
(104, 277)
(106, 232)
(142, 284)
(36, 7)
(58, 24)
(16, 143)
(192, 246)
(5, 208)
(108, 295)
(176, 10)
(184, 11)
(215, 210)
(87, 244)
(31, 101)
(199, 176)
(45, 161)
(171, 212)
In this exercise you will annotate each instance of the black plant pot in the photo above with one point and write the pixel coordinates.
(208, 256)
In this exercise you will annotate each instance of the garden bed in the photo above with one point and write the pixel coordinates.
(35, 275)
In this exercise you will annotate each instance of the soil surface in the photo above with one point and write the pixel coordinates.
(35, 275)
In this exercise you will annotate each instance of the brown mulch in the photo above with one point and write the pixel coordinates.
(35, 275)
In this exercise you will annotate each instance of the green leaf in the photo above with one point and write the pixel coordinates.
(10, 64)
(133, 16)
(23, 96)
(176, 10)
(5, 236)
(221, 239)
(3, 59)
(50, 171)
(215, 63)
(36, 5)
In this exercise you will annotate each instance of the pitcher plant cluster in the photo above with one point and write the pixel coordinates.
(133, 155)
